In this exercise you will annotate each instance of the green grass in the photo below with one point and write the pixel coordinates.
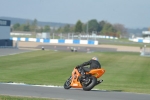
(122, 42)
(128, 72)
(24, 36)
(3, 97)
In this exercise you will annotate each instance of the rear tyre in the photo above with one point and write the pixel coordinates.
(88, 86)
(67, 83)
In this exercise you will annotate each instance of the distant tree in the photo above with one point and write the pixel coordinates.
(46, 28)
(121, 30)
(53, 30)
(93, 25)
(40, 30)
(59, 30)
(34, 25)
(25, 27)
(78, 27)
(16, 27)
(35, 22)
(101, 25)
(72, 28)
(66, 28)
(107, 28)
(84, 27)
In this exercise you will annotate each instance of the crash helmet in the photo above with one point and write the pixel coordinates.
(95, 58)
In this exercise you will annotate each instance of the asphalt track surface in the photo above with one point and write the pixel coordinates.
(78, 48)
(71, 94)
(12, 51)
(60, 92)
(68, 48)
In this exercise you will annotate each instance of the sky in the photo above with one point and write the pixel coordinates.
(130, 13)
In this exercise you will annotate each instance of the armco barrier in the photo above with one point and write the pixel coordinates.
(60, 41)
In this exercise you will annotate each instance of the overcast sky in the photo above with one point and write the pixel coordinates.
(130, 13)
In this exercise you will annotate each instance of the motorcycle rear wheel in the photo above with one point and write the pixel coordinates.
(88, 87)
(67, 83)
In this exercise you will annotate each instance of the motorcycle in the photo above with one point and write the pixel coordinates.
(76, 81)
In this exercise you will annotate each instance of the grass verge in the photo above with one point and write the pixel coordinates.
(4, 97)
(128, 72)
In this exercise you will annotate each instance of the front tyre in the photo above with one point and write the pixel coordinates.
(88, 86)
(67, 83)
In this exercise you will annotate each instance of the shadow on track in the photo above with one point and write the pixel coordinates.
(94, 90)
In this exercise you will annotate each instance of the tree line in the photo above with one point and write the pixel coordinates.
(100, 28)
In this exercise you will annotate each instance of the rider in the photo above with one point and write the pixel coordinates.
(94, 64)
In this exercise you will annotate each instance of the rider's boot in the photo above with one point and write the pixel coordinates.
(98, 82)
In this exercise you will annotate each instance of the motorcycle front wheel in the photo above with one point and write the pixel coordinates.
(67, 83)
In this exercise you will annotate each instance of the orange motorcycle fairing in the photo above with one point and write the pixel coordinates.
(75, 83)
(96, 72)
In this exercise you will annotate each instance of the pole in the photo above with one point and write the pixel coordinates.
(60, 35)
(68, 35)
(87, 29)
(72, 35)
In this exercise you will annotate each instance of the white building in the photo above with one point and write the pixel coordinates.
(5, 33)
(146, 34)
